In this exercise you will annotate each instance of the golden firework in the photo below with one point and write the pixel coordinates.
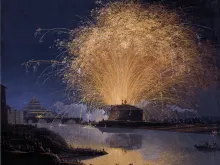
(133, 52)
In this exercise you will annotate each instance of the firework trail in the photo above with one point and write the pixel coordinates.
(131, 51)
(135, 52)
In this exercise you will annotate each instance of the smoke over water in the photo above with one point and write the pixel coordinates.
(144, 104)
(151, 110)
(160, 112)
(80, 111)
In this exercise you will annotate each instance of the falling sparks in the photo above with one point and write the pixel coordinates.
(132, 52)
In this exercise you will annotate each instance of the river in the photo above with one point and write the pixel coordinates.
(139, 146)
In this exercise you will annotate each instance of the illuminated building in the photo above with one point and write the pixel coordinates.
(34, 109)
(126, 112)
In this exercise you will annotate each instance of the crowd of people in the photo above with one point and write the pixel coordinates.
(20, 138)
(88, 151)
(36, 147)
(30, 139)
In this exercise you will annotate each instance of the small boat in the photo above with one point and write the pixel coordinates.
(207, 147)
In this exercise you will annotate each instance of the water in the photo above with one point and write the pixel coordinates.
(139, 146)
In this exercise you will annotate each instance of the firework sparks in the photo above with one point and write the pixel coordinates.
(136, 52)
(133, 52)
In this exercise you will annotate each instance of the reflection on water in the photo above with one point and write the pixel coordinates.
(139, 146)
(125, 141)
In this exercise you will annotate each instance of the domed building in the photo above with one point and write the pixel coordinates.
(34, 109)
(125, 112)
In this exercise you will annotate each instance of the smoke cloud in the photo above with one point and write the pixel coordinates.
(152, 110)
(160, 112)
(80, 111)
(178, 109)
(144, 104)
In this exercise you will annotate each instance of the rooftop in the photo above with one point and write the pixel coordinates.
(34, 104)
(125, 107)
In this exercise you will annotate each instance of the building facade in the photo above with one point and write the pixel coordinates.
(35, 110)
(15, 116)
(125, 112)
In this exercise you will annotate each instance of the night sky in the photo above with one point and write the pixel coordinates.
(21, 18)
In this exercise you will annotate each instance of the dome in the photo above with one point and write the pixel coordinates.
(34, 104)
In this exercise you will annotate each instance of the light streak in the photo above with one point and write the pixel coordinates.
(134, 52)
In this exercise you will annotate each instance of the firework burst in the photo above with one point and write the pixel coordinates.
(132, 52)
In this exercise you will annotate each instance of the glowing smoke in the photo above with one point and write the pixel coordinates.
(160, 112)
(178, 109)
(80, 111)
(151, 111)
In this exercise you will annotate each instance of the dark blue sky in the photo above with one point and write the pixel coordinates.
(21, 18)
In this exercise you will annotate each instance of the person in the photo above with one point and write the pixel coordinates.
(125, 102)
(39, 148)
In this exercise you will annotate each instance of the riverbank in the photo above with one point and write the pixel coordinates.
(28, 144)
(32, 158)
(182, 127)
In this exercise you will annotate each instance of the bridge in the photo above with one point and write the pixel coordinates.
(50, 120)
